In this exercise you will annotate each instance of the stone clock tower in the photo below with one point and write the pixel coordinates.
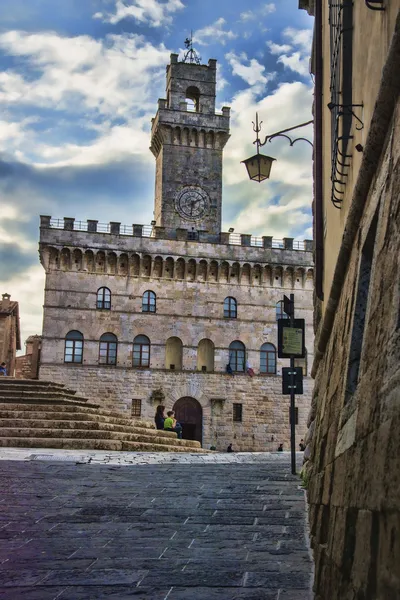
(188, 139)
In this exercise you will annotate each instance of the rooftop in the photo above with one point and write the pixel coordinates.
(152, 231)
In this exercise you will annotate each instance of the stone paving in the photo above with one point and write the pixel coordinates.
(226, 527)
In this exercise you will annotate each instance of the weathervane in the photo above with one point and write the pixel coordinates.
(191, 55)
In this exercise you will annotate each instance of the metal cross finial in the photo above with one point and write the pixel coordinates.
(191, 55)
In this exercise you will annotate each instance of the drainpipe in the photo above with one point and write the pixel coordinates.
(318, 202)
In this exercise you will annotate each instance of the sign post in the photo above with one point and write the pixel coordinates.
(292, 397)
(291, 345)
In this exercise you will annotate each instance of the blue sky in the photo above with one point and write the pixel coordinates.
(79, 84)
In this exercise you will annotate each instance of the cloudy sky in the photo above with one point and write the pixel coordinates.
(79, 83)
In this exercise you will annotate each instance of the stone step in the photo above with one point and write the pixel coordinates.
(45, 394)
(20, 383)
(79, 444)
(100, 434)
(41, 423)
(69, 411)
(52, 399)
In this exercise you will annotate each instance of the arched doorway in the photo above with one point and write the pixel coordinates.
(189, 414)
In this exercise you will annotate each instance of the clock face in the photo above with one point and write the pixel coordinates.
(192, 202)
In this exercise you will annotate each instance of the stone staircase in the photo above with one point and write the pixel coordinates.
(41, 414)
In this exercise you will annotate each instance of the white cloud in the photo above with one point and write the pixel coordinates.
(214, 33)
(302, 38)
(113, 79)
(295, 54)
(269, 9)
(278, 48)
(253, 73)
(280, 206)
(295, 62)
(248, 15)
(107, 76)
(150, 12)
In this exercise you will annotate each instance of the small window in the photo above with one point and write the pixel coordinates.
(108, 349)
(104, 298)
(230, 308)
(237, 356)
(136, 407)
(280, 314)
(149, 302)
(141, 351)
(268, 359)
(237, 412)
(296, 416)
(73, 350)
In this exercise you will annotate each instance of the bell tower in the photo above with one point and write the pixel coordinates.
(187, 139)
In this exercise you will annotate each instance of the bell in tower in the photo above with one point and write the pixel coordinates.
(187, 139)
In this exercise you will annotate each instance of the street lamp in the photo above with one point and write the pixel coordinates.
(259, 166)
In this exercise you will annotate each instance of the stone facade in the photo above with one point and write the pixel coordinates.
(10, 336)
(353, 470)
(27, 365)
(190, 270)
(188, 146)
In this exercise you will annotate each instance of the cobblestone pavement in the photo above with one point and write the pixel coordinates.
(185, 530)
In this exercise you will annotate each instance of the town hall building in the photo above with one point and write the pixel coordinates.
(179, 313)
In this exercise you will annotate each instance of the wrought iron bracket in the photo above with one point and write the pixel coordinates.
(347, 109)
(369, 4)
(282, 133)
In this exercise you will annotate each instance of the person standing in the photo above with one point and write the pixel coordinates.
(3, 369)
(229, 448)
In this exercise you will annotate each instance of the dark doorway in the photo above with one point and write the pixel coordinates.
(189, 414)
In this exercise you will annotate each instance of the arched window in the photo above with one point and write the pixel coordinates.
(149, 302)
(268, 359)
(279, 311)
(141, 351)
(205, 355)
(104, 298)
(230, 308)
(173, 354)
(193, 99)
(237, 356)
(73, 347)
(108, 349)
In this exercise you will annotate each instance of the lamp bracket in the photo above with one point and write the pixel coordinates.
(282, 133)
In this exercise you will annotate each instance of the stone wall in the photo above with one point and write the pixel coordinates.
(265, 410)
(191, 281)
(354, 468)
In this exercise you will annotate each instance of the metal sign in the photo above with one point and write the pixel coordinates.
(291, 342)
(288, 381)
(288, 306)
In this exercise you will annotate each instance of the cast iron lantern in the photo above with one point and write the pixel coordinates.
(258, 166)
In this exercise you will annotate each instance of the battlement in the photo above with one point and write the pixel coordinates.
(182, 235)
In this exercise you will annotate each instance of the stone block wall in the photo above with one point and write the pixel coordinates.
(191, 281)
(265, 410)
(354, 469)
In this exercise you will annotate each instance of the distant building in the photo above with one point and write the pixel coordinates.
(27, 366)
(10, 336)
(354, 439)
(178, 313)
